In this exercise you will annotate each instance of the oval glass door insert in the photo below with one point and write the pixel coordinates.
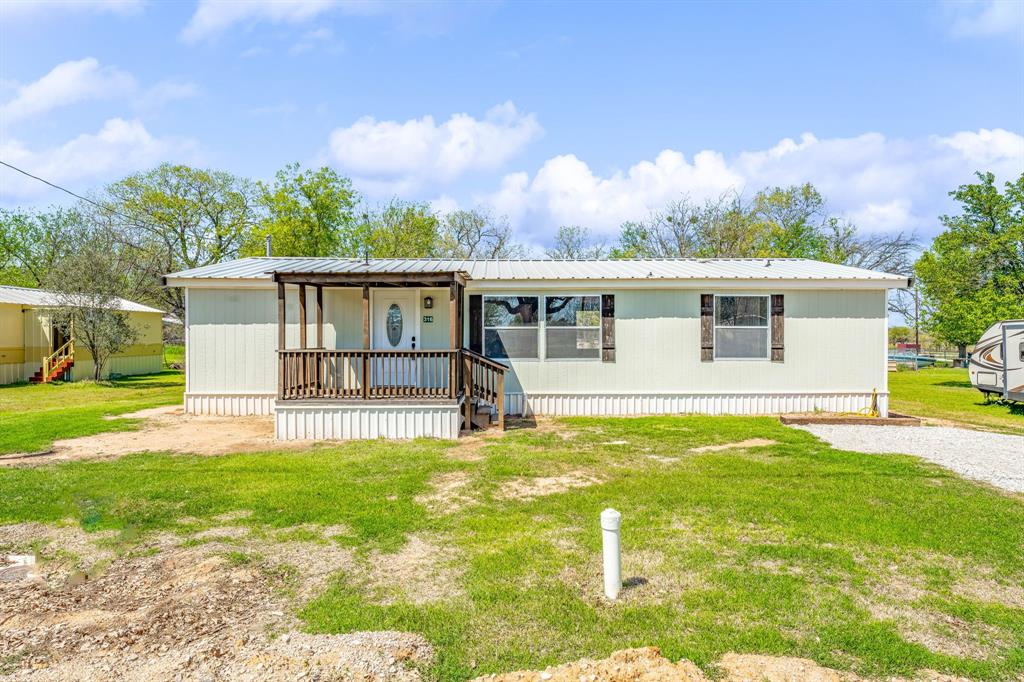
(394, 324)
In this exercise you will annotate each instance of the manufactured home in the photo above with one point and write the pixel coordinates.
(33, 348)
(352, 348)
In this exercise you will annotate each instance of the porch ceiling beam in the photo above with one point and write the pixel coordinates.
(414, 279)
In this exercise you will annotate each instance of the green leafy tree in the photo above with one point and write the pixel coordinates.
(87, 288)
(306, 213)
(32, 243)
(973, 274)
(398, 229)
(182, 217)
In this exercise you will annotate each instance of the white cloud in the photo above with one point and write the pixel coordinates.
(119, 147)
(392, 156)
(320, 37)
(215, 16)
(985, 18)
(67, 83)
(881, 184)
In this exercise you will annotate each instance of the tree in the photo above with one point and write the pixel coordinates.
(476, 233)
(86, 289)
(573, 242)
(306, 213)
(31, 243)
(973, 274)
(900, 334)
(182, 217)
(399, 229)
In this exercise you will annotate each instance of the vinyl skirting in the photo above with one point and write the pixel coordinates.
(326, 420)
(610, 404)
(238, 404)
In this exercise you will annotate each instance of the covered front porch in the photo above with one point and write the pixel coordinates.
(411, 377)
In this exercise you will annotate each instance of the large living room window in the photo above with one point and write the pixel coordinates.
(572, 327)
(511, 327)
(741, 328)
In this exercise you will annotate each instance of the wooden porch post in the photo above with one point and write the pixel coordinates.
(453, 315)
(302, 316)
(366, 341)
(319, 316)
(280, 339)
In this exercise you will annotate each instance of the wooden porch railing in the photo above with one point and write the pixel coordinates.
(317, 373)
(484, 379)
(368, 374)
(56, 358)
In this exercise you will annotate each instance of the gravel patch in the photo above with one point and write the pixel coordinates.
(995, 458)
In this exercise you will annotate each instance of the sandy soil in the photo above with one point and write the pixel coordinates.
(166, 429)
(648, 665)
(166, 612)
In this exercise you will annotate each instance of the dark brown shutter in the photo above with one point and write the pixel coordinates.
(778, 328)
(707, 327)
(476, 323)
(607, 328)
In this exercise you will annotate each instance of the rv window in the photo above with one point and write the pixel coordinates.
(741, 328)
(511, 326)
(1022, 351)
(573, 326)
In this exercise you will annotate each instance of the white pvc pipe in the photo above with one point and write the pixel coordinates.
(611, 520)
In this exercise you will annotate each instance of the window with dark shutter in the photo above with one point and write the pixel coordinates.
(476, 323)
(707, 327)
(778, 328)
(608, 328)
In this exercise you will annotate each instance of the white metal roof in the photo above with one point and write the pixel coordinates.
(37, 298)
(262, 268)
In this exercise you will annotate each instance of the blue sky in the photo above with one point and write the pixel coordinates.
(549, 113)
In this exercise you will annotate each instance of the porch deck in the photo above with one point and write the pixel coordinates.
(406, 379)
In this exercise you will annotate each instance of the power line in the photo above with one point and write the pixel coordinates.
(67, 191)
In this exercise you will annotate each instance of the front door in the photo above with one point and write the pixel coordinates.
(394, 328)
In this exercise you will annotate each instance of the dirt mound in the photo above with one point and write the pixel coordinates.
(628, 665)
(187, 613)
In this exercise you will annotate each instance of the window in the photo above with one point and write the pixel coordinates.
(394, 325)
(741, 327)
(573, 326)
(511, 326)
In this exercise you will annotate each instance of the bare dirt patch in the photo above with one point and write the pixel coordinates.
(183, 613)
(646, 664)
(749, 443)
(532, 488)
(421, 572)
(448, 493)
(166, 429)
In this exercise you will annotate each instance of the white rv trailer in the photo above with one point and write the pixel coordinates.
(997, 364)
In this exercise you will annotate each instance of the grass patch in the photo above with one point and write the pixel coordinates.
(32, 416)
(948, 394)
(174, 354)
(789, 549)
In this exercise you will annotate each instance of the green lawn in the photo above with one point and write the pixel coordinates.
(33, 416)
(947, 394)
(878, 564)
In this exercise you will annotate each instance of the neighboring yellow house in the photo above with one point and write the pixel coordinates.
(28, 335)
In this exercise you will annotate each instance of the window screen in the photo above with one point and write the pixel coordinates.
(510, 326)
(741, 327)
(573, 326)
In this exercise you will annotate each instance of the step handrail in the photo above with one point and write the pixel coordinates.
(490, 388)
(56, 357)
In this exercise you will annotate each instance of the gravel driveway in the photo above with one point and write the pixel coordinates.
(983, 456)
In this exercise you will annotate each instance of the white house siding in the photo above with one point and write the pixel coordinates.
(835, 353)
(835, 356)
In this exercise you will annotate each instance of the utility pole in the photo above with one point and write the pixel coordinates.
(917, 327)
